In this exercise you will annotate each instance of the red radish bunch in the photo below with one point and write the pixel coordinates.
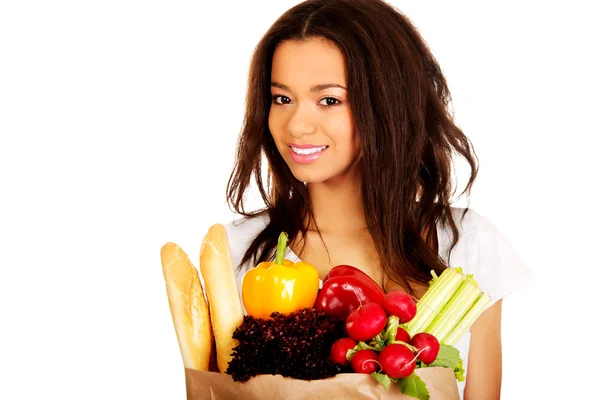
(365, 362)
(402, 335)
(339, 350)
(368, 348)
(427, 346)
(397, 361)
(401, 305)
(366, 322)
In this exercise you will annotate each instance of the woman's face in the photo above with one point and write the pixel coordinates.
(310, 118)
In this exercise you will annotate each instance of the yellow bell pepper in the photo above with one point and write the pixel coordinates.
(280, 285)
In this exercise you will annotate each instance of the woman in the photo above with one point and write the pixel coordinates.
(350, 110)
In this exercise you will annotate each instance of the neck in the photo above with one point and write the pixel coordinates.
(338, 205)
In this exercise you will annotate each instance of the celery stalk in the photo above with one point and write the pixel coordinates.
(455, 309)
(465, 323)
(436, 285)
(432, 303)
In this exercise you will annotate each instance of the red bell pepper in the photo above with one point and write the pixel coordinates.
(345, 288)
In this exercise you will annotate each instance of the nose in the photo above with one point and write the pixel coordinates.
(301, 122)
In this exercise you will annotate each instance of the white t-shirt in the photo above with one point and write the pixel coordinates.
(481, 250)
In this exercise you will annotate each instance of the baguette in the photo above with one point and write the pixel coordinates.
(188, 308)
(216, 267)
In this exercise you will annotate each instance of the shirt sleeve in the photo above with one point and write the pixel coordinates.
(240, 233)
(500, 270)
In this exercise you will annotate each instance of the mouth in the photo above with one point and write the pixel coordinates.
(306, 154)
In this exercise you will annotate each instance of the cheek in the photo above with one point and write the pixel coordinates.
(276, 128)
(270, 123)
(346, 137)
(352, 145)
(273, 128)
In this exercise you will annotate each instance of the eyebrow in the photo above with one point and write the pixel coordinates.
(316, 88)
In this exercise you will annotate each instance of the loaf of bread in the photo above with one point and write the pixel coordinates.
(216, 267)
(189, 309)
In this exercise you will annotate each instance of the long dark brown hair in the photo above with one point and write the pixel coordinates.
(400, 104)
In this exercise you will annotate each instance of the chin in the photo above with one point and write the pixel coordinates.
(309, 175)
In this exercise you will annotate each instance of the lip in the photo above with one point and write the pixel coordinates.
(306, 146)
(308, 158)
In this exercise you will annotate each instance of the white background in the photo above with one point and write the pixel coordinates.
(118, 123)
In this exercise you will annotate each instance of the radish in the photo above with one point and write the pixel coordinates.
(400, 304)
(339, 350)
(364, 362)
(402, 335)
(427, 347)
(397, 361)
(366, 322)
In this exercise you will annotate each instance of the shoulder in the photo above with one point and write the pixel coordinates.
(470, 221)
(477, 233)
(485, 252)
(242, 226)
(241, 232)
(471, 226)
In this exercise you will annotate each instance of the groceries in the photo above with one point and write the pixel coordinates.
(294, 345)
(345, 288)
(293, 329)
(376, 343)
(450, 306)
(279, 286)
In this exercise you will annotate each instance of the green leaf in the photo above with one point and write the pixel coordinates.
(459, 372)
(449, 357)
(383, 379)
(414, 386)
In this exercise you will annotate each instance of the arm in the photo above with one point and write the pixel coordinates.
(484, 369)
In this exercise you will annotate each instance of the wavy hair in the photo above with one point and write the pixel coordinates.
(400, 104)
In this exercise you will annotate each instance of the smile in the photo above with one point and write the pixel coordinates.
(306, 155)
(311, 150)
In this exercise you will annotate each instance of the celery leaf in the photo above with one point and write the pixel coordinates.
(459, 372)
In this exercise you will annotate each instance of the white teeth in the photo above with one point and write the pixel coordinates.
(308, 151)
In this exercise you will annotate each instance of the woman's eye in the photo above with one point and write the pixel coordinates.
(329, 101)
(279, 99)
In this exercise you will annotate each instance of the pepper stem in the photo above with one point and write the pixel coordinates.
(281, 248)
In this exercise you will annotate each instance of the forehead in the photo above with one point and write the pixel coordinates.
(305, 63)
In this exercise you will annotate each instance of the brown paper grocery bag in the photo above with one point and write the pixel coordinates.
(201, 385)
